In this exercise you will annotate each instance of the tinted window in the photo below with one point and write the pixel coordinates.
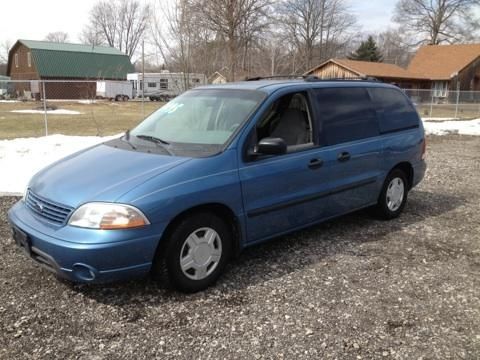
(346, 114)
(395, 112)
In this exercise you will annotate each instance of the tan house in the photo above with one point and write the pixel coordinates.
(217, 78)
(437, 67)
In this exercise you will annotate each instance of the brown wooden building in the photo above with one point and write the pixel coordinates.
(440, 68)
(66, 67)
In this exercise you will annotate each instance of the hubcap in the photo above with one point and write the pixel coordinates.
(201, 253)
(395, 194)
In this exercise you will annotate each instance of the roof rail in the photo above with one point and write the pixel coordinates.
(273, 77)
(313, 78)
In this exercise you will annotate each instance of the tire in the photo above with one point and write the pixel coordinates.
(202, 243)
(391, 202)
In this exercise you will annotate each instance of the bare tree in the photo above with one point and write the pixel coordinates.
(57, 36)
(312, 25)
(5, 47)
(173, 33)
(395, 47)
(233, 21)
(120, 23)
(436, 21)
(92, 35)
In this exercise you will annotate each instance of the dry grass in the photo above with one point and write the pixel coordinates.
(100, 118)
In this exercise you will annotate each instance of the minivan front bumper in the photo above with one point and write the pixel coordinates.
(102, 255)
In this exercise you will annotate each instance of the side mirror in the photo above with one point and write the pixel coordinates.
(270, 146)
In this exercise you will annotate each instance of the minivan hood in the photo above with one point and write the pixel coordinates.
(100, 173)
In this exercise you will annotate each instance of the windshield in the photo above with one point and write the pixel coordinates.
(199, 117)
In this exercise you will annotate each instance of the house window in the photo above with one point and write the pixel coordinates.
(152, 85)
(16, 60)
(440, 89)
(29, 59)
(163, 83)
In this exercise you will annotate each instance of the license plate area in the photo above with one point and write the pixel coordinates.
(22, 240)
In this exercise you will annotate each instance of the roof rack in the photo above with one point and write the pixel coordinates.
(273, 77)
(356, 78)
(313, 78)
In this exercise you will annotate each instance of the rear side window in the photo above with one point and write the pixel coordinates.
(395, 113)
(346, 114)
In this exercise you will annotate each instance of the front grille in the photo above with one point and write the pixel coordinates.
(47, 209)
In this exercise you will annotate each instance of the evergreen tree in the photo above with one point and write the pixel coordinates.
(367, 51)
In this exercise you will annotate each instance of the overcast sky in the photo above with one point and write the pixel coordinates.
(33, 19)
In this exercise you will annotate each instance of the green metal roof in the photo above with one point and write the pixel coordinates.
(61, 60)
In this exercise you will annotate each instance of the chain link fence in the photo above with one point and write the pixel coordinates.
(446, 104)
(99, 108)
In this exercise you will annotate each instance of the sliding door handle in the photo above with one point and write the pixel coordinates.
(344, 156)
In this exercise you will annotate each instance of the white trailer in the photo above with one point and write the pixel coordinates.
(115, 90)
(164, 85)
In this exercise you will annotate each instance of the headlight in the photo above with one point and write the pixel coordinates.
(24, 197)
(108, 216)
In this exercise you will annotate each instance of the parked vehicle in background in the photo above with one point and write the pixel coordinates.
(218, 169)
(165, 85)
(114, 90)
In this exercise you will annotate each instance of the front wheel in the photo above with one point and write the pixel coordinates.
(196, 252)
(393, 197)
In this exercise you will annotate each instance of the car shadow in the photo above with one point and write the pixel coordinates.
(278, 258)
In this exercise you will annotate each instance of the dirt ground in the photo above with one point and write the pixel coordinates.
(353, 288)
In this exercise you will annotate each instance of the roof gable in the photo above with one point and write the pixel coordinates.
(367, 68)
(442, 62)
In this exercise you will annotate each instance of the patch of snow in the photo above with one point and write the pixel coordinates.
(50, 112)
(462, 127)
(438, 119)
(21, 158)
(88, 102)
(9, 101)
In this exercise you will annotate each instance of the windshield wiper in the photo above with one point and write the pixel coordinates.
(157, 141)
(127, 139)
(153, 139)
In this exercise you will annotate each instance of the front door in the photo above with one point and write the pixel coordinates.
(288, 191)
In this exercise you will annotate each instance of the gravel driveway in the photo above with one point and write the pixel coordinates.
(353, 288)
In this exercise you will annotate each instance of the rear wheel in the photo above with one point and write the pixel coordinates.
(196, 252)
(393, 197)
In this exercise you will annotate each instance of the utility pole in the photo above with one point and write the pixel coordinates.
(143, 78)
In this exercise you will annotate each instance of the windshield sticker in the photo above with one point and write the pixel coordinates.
(171, 107)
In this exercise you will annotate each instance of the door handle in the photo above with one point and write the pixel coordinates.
(315, 164)
(344, 156)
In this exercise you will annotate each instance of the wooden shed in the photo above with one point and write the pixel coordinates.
(346, 69)
(40, 60)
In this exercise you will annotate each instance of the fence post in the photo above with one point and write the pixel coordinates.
(45, 108)
(431, 102)
(458, 100)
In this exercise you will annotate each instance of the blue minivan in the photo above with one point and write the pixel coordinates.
(218, 169)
